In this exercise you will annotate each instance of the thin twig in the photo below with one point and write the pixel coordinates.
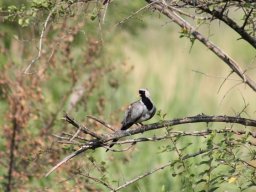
(97, 180)
(221, 85)
(40, 44)
(71, 142)
(121, 142)
(160, 168)
(248, 164)
(105, 12)
(133, 14)
(76, 134)
(172, 134)
(227, 20)
(81, 127)
(15, 128)
(215, 49)
(101, 122)
(215, 76)
(77, 137)
(246, 19)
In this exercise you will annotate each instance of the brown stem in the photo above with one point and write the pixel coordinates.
(12, 157)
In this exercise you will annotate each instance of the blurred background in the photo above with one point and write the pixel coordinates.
(91, 66)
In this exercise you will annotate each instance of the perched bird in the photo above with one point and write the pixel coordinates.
(137, 112)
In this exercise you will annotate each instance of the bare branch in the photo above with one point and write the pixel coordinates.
(221, 85)
(101, 122)
(133, 14)
(40, 42)
(81, 127)
(162, 8)
(76, 134)
(172, 134)
(160, 168)
(101, 141)
(15, 128)
(97, 180)
(228, 21)
(246, 19)
(82, 149)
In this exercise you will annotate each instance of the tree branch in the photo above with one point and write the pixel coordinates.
(103, 140)
(232, 24)
(81, 127)
(40, 44)
(164, 9)
(97, 181)
(160, 168)
(15, 128)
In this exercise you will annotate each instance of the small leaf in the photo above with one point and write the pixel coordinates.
(232, 179)
(213, 189)
(201, 181)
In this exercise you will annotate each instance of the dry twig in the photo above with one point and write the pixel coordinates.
(101, 122)
(40, 44)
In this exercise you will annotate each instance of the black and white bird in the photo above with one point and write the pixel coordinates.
(137, 112)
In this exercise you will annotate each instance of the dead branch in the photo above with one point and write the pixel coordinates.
(101, 122)
(164, 9)
(15, 128)
(97, 181)
(232, 24)
(101, 141)
(40, 44)
(81, 127)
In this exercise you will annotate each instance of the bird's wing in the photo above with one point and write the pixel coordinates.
(132, 115)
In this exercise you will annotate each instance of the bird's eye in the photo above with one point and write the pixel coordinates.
(141, 92)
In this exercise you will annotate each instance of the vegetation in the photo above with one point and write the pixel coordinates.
(84, 60)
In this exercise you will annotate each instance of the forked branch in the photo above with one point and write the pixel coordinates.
(102, 140)
(171, 14)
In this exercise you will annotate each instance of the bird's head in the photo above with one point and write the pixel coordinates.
(144, 93)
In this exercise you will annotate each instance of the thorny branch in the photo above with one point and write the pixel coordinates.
(170, 13)
(102, 140)
(232, 24)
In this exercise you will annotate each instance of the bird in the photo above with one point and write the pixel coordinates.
(137, 112)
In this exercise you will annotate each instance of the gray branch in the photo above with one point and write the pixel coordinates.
(102, 140)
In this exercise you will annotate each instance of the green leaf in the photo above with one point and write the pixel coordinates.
(213, 189)
(201, 181)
